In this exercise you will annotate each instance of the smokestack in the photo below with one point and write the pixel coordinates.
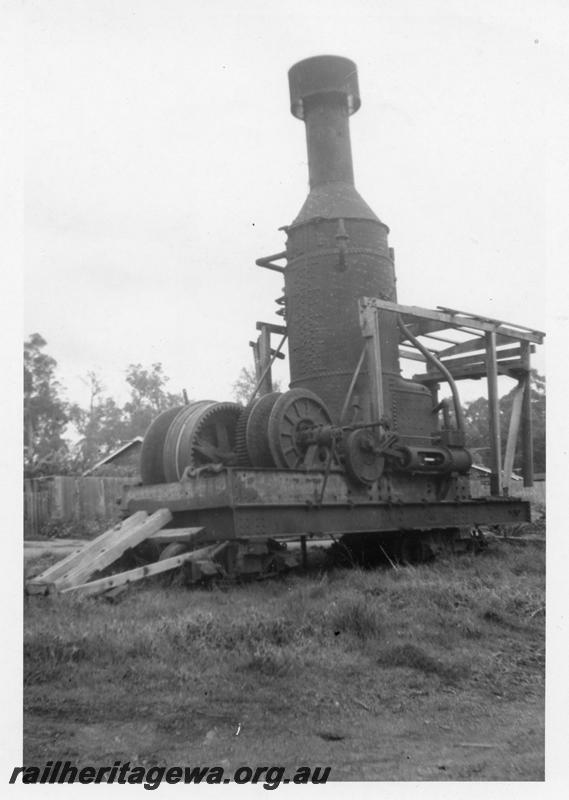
(324, 93)
(337, 248)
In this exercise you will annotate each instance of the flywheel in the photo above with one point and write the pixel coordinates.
(363, 460)
(201, 434)
(293, 414)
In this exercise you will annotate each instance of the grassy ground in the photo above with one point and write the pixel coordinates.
(417, 673)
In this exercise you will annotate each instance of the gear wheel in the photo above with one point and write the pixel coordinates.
(200, 435)
(256, 435)
(243, 459)
(174, 437)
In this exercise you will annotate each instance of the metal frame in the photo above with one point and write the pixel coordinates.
(270, 503)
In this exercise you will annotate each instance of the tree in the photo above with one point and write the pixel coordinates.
(148, 397)
(244, 386)
(102, 426)
(477, 424)
(246, 383)
(45, 412)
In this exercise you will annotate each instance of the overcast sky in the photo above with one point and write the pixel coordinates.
(161, 159)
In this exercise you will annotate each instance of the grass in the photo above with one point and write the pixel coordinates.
(292, 647)
(442, 610)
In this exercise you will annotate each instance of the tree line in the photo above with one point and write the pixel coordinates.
(104, 425)
(101, 427)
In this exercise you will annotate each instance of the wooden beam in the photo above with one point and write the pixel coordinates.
(456, 320)
(424, 327)
(472, 345)
(271, 327)
(477, 358)
(113, 549)
(473, 372)
(494, 415)
(130, 576)
(513, 431)
(411, 355)
(527, 432)
(33, 549)
(256, 359)
(440, 338)
(41, 583)
(370, 331)
(493, 320)
(264, 344)
(184, 535)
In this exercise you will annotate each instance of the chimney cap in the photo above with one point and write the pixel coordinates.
(322, 75)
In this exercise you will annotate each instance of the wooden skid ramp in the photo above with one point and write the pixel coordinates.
(73, 573)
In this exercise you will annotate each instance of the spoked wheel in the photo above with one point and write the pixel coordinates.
(294, 413)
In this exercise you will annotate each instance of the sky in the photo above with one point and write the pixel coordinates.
(161, 158)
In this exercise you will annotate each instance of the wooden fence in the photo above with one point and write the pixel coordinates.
(75, 501)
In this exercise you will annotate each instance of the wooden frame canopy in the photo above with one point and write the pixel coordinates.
(494, 348)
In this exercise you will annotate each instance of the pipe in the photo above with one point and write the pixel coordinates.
(352, 384)
(459, 414)
(267, 368)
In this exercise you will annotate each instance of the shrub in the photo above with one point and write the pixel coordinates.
(358, 617)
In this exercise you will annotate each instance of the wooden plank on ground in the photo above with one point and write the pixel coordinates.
(112, 549)
(183, 535)
(54, 544)
(132, 575)
(39, 584)
(45, 548)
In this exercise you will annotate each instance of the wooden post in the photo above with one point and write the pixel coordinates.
(493, 415)
(527, 432)
(513, 431)
(370, 331)
(258, 370)
(303, 551)
(264, 349)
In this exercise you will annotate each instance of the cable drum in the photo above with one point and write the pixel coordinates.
(243, 459)
(256, 435)
(172, 444)
(201, 434)
(152, 452)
